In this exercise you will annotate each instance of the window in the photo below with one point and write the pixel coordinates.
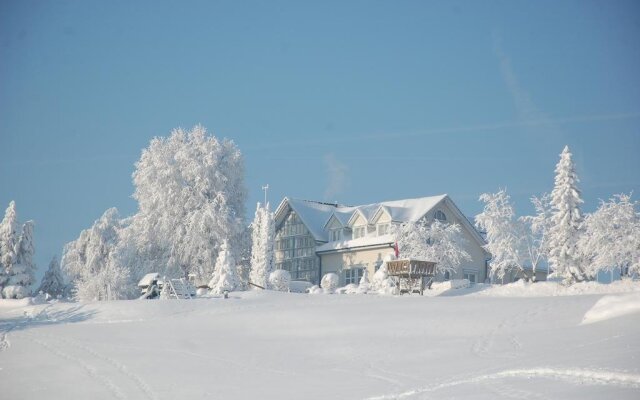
(471, 276)
(447, 275)
(352, 275)
(439, 215)
(383, 229)
(335, 235)
(358, 232)
(295, 250)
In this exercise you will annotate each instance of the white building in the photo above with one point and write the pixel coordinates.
(314, 238)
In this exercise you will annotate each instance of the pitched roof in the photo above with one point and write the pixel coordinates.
(315, 214)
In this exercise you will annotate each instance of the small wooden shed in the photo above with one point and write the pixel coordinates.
(411, 275)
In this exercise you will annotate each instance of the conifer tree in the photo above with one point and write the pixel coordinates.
(53, 281)
(21, 275)
(8, 239)
(225, 276)
(263, 233)
(564, 233)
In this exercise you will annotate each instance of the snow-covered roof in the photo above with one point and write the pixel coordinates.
(315, 214)
(360, 242)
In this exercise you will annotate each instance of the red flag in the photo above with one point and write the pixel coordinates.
(396, 250)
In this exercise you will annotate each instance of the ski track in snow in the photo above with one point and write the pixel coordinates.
(122, 369)
(570, 375)
(483, 346)
(4, 336)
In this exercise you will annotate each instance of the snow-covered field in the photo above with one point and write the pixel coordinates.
(516, 341)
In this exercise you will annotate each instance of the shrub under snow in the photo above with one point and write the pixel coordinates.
(279, 280)
(330, 282)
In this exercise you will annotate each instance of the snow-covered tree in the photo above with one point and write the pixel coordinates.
(21, 275)
(438, 242)
(279, 280)
(537, 229)
(263, 233)
(503, 233)
(190, 192)
(612, 236)
(90, 263)
(8, 240)
(330, 282)
(381, 282)
(364, 284)
(225, 276)
(565, 229)
(53, 281)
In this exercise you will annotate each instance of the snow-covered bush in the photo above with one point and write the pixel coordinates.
(381, 283)
(315, 289)
(15, 292)
(330, 282)
(279, 280)
(225, 276)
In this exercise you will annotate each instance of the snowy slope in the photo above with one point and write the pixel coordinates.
(268, 345)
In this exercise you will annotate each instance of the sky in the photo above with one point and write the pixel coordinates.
(348, 101)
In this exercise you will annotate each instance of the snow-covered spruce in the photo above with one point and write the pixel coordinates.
(8, 240)
(263, 233)
(565, 230)
(225, 276)
(21, 275)
(53, 281)
(90, 263)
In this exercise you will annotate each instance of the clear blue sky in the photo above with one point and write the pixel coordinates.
(350, 101)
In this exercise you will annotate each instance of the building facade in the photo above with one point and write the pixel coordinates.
(315, 238)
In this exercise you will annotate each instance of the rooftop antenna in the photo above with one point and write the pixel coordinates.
(266, 189)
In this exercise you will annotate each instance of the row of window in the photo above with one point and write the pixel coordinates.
(294, 242)
(295, 253)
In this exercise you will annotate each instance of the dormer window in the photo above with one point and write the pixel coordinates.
(359, 231)
(439, 215)
(383, 229)
(335, 235)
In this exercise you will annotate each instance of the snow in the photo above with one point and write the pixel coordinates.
(612, 307)
(315, 215)
(359, 242)
(480, 344)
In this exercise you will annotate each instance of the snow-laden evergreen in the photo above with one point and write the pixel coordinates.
(53, 282)
(612, 237)
(89, 262)
(565, 229)
(263, 235)
(8, 240)
(503, 234)
(225, 276)
(364, 285)
(21, 275)
(433, 241)
(190, 192)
